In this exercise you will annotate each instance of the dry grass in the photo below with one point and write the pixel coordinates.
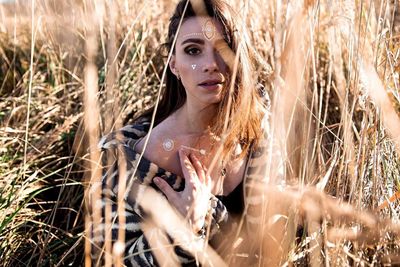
(332, 71)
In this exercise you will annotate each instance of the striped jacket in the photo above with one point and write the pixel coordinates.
(137, 250)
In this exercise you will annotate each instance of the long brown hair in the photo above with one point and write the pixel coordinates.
(247, 109)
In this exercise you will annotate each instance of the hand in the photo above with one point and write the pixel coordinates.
(193, 201)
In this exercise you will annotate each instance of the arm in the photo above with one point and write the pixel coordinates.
(137, 251)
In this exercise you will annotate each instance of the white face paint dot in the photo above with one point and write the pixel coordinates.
(193, 66)
(168, 144)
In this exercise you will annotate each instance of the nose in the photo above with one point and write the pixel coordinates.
(211, 63)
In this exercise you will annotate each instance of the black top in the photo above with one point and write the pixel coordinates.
(234, 202)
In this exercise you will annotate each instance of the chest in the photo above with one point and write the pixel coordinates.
(164, 152)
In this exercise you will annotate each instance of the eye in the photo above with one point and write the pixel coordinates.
(192, 51)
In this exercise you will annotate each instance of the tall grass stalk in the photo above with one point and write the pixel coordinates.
(30, 84)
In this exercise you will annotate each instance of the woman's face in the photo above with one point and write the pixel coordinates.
(197, 62)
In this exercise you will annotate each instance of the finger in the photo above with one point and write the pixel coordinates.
(199, 168)
(168, 191)
(187, 168)
(202, 171)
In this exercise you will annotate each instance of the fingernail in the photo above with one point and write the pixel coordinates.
(156, 179)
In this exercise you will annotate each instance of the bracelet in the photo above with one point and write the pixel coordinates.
(211, 224)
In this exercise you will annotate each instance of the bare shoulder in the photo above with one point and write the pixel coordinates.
(155, 139)
(154, 149)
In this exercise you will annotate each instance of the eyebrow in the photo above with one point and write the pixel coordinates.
(199, 41)
(193, 40)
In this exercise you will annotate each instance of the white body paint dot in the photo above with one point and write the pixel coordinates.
(168, 144)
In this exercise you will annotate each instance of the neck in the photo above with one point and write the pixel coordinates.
(194, 118)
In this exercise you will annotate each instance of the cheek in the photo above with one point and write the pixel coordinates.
(189, 65)
(188, 71)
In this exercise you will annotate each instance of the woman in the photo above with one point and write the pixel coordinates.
(206, 126)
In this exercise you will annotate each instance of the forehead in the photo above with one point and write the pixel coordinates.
(200, 27)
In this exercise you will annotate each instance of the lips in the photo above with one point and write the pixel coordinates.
(211, 82)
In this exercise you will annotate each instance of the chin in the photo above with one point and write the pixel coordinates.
(214, 101)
